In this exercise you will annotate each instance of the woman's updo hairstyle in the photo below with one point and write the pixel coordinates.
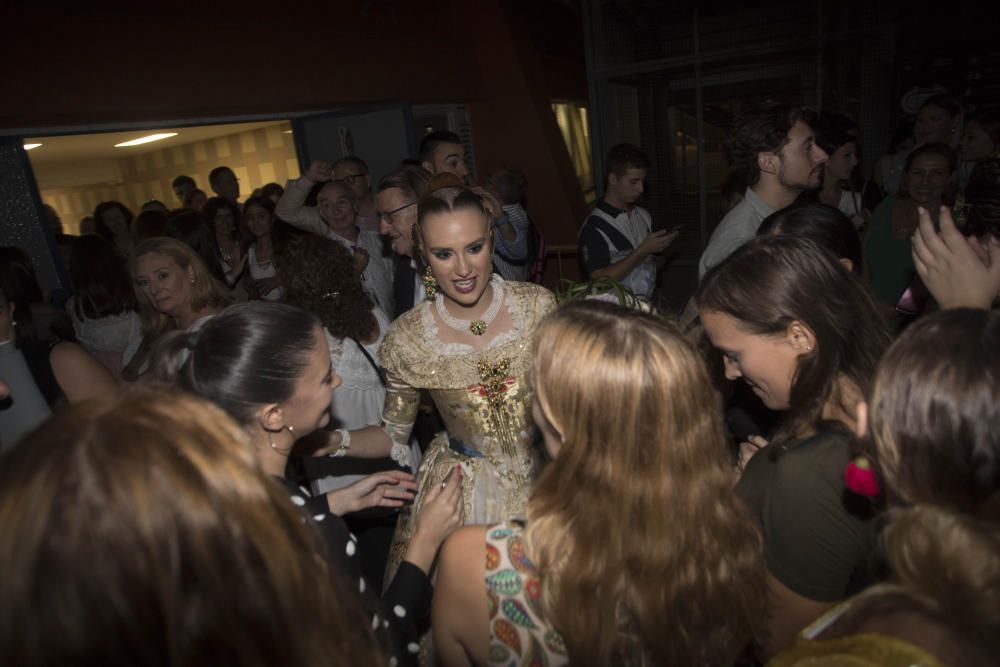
(935, 407)
(446, 193)
(249, 355)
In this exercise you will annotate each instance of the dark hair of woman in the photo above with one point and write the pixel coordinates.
(139, 530)
(320, 276)
(825, 225)
(833, 131)
(272, 190)
(149, 224)
(249, 355)
(104, 207)
(773, 281)
(216, 204)
(933, 421)
(281, 232)
(101, 284)
(191, 228)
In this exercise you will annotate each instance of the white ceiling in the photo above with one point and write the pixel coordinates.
(101, 146)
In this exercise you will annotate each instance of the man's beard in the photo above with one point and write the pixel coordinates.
(798, 187)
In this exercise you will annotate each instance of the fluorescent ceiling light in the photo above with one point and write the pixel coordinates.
(147, 139)
(28, 147)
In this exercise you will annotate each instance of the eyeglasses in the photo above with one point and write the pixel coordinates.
(350, 178)
(387, 216)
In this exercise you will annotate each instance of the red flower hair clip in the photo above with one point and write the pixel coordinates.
(859, 477)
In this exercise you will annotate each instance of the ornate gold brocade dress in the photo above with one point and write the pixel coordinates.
(485, 404)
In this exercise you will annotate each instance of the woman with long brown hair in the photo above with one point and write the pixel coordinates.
(139, 530)
(798, 327)
(635, 550)
(932, 419)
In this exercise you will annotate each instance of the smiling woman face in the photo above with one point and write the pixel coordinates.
(457, 248)
(766, 363)
(165, 283)
(927, 179)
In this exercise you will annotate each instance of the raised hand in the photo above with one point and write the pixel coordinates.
(959, 272)
(319, 171)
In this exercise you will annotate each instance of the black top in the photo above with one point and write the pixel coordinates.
(405, 603)
(819, 538)
(594, 246)
(404, 284)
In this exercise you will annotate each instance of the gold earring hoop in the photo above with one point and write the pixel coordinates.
(280, 450)
(430, 284)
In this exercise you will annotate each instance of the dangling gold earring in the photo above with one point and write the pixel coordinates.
(430, 284)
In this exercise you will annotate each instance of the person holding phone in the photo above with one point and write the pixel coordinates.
(617, 240)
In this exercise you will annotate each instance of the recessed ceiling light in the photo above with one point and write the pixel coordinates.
(28, 147)
(146, 139)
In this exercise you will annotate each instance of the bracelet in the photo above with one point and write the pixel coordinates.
(345, 442)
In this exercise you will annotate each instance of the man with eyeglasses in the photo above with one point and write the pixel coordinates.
(334, 217)
(396, 201)
(353, 171)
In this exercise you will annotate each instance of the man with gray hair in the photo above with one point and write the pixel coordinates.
(334, 217)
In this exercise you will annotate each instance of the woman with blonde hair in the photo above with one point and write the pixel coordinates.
(635, 550)
(175, 291)
(932, 420)
(139, 530)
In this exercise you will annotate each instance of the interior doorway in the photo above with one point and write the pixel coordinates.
(75, 172)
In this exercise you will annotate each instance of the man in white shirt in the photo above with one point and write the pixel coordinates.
(334, 217)
(774, 149)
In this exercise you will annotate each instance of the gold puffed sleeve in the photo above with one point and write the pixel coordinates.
(402, 399)
(398, 416)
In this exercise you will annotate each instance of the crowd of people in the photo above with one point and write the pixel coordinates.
(341, 421)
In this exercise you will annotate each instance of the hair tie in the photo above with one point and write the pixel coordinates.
(330, 296)
(859, 477)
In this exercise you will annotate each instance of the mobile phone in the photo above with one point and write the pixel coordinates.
(742, 425)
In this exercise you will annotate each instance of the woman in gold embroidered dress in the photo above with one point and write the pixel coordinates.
(469, 345)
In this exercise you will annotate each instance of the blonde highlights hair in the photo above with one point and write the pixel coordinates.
(446, 194)
(643, 435)
(140, 530)
(206, 291)
(935, 410)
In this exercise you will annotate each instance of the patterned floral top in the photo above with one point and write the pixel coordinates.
(519, 635)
